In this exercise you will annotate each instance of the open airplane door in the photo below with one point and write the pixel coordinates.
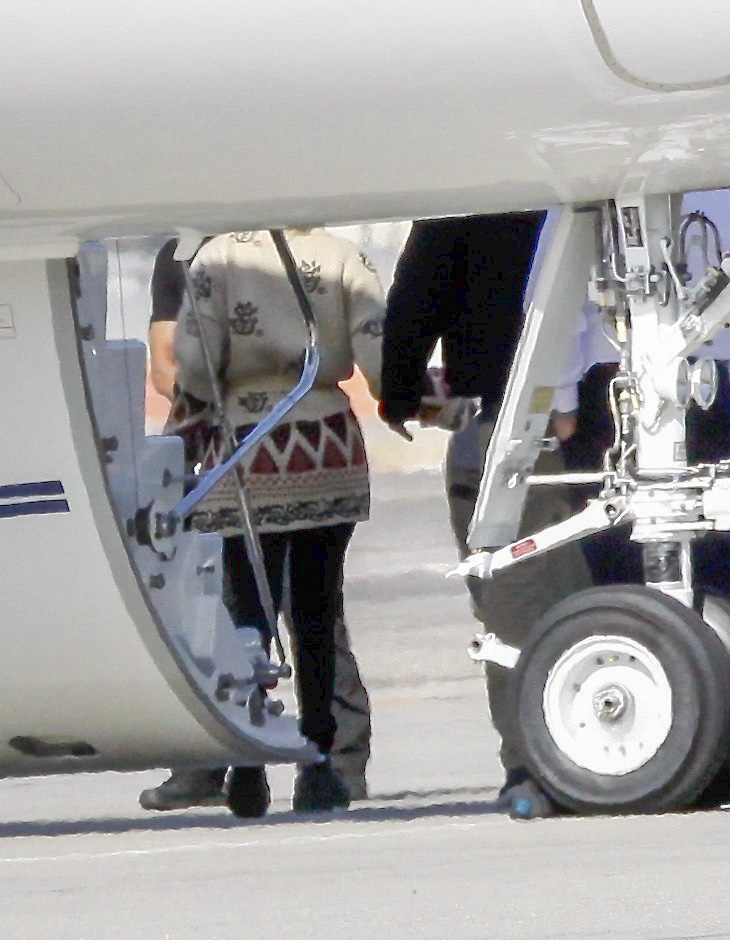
(115, 654)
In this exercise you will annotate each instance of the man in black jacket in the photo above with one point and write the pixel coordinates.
(462, 280)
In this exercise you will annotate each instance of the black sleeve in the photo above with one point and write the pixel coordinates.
(415, 318)
(168, 284)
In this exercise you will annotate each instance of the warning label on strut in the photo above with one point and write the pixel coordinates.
(523, 548)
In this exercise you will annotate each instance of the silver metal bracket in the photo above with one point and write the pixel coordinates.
(488, 648)
(599, 514)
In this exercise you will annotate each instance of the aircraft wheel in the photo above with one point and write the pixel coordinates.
(248, 792)
(623, 698)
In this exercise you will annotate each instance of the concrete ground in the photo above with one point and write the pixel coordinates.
(426, 857)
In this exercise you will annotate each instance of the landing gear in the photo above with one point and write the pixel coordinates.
(624, 702)
(623, 692)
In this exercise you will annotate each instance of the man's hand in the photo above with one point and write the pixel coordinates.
(564, 424)
(397, 426)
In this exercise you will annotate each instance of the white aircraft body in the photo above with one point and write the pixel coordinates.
(136, 118)
(147, 117)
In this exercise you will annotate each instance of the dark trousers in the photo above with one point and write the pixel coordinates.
(316, 559)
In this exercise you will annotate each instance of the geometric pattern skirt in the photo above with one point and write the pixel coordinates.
(302, 475)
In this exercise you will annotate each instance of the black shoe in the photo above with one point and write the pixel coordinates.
(185, 789)
(317, 788)
(248, 792)
(523, 797)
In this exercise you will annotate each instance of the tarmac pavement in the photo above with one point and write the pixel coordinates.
(425, 857)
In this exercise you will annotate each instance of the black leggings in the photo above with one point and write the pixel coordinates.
(316, 560)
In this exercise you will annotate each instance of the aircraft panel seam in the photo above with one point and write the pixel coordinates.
(607, 54)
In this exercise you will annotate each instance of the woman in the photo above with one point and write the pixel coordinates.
(307, 481)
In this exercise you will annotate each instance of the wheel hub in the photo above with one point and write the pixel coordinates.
(611, 703)
(607, 704)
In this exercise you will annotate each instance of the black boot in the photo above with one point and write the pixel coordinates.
(318, 787)
(248, 792)
(185, 789)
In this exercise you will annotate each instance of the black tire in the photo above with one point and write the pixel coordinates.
(718, 792)
(715, 609)
(248, 792)
(697, 668)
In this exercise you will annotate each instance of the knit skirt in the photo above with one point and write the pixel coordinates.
(302, 475)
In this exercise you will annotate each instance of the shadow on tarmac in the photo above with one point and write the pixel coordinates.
(181, 819)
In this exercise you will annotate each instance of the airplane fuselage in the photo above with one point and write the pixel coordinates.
(148, 117)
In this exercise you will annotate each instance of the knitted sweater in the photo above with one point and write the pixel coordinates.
(311, 470)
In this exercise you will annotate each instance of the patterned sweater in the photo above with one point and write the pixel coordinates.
(311, 470)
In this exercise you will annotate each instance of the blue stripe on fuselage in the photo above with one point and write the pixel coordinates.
(21, 490)
(36, 508)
